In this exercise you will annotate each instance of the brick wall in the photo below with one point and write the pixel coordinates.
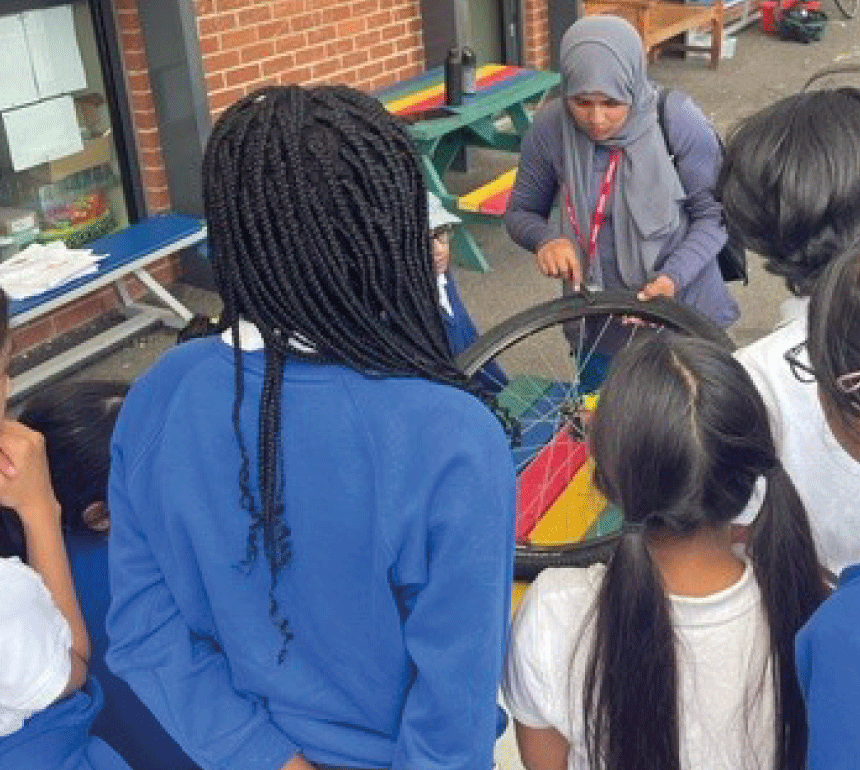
(536, 33)
(142, 107)
(248, 43)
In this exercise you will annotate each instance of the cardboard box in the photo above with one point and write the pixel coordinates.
(96, 152)
(39, 133)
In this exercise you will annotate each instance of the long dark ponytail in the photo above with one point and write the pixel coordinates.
(691, 468)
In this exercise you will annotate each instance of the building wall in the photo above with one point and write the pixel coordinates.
(536, 33)
(245, 44)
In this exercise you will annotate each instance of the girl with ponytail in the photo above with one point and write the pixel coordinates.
(676, 655)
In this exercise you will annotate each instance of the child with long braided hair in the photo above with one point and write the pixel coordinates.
(311, 516)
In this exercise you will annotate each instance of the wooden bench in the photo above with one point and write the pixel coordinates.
(129, 253)
(658, 21)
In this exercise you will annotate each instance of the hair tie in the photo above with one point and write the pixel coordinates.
(849, 383)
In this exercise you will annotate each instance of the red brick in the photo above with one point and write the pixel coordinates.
(365, 7)
(151, 158)
(368, 39)
(135, 61)
(32, 334)
(272, 30)
(278, 64)
(138, 82)
(144, 121)
(351, 27)
(132, 40)
(382, 50)
(158, 200)
(210, 25)
(352, 60)
(239, 38)
(337, 12)
(148, 140)
(378, 20)
(321, 34)
(81, 311)
(304, 21)
(287, 8)
(338, 47)
(221, 61)
(324, 69)
(154, 178)
(310, 55)
(218, 101)
(254, 15)
(205, 7)
(258, 51)
(246, 74)
(290, 42)
(297, 75)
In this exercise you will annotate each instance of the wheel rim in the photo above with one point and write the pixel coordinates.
(561, 518)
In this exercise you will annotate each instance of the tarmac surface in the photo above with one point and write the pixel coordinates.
(762, 70)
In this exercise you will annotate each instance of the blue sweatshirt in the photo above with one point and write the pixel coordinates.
(828, 665)
(400, 497)
(58, 738)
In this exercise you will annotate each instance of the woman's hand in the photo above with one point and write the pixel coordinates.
(661, 286)
(557, 259)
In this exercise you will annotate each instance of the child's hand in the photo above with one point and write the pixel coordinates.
(25, 484)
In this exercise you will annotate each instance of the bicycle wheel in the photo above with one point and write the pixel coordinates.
(546, 365)
(848, 8)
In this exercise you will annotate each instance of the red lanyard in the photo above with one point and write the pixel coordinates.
(599, 216)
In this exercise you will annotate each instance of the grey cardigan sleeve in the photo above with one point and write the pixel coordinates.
(697, 159)
(540, 168)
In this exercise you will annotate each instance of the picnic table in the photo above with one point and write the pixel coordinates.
(503, 91)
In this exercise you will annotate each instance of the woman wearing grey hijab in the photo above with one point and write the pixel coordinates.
(630, 215)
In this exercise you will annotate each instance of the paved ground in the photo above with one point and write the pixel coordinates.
(762, 70)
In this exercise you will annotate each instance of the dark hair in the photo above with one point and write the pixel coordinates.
(694, 468)
(318, 231)
(790, 181)
(77, 420)
(4, 317)
(834, 336)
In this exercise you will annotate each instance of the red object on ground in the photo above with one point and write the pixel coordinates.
(771, 9)
(545, 478)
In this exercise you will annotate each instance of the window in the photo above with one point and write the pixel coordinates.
(61, 174)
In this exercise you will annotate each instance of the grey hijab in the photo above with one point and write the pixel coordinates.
(604, 54)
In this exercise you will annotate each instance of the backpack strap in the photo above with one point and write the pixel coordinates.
(661, 120)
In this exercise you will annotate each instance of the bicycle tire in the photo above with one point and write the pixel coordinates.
(848, 7)
(670, 314)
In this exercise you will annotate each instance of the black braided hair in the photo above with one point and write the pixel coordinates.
(318, 230)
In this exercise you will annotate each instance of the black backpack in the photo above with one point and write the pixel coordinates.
(732, 258)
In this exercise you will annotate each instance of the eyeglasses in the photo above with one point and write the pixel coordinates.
(801, 370)
(442, 233)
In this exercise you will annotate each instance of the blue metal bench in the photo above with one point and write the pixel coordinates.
(129, 253)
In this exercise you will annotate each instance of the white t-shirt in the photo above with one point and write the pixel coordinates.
(723, 659)
(35, 644)
(826, 476)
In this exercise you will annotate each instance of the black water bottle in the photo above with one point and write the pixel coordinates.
(454, 78)
(470, 71)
